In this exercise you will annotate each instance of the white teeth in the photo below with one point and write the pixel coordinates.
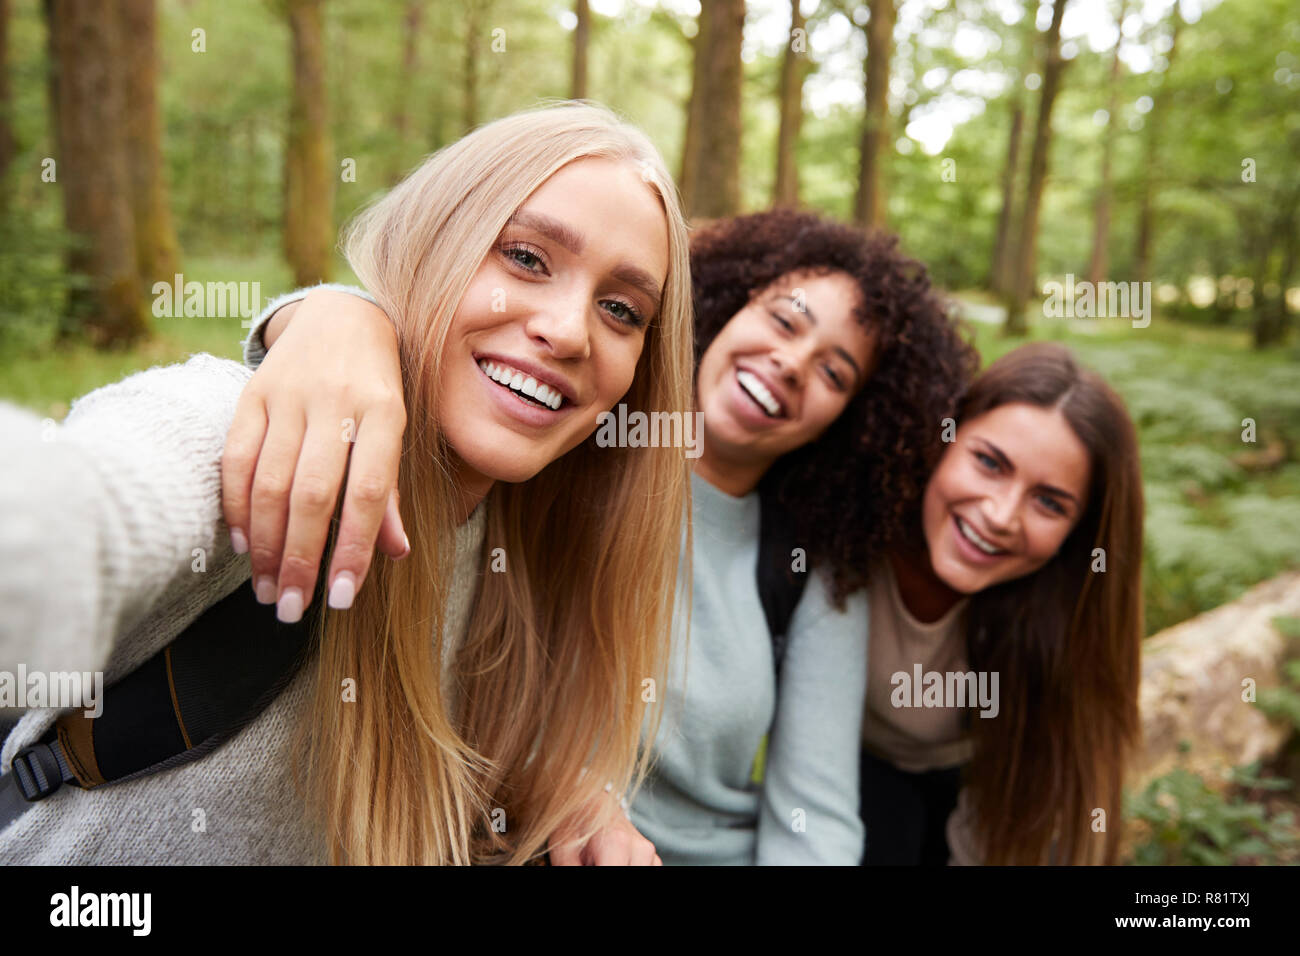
(970, 535)
(751, 384)
(523, 384)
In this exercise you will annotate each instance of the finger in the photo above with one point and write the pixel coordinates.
(238, 462)
(371, 477)
(610, 850)
(566, 854)
(642, 853)
(270, 498)
(392, 536)
(317, 480)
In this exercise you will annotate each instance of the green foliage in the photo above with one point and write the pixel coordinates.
(1185, 822)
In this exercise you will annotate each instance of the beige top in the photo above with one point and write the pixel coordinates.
(913, 738)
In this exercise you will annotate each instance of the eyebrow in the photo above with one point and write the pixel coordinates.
(838, 350)
(572, 240)
(1006, 463)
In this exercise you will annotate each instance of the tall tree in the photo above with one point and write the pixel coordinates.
(412, 23)
(1026, 260)
(1100, 261)
(869, 207)
(309, 183)
(470, 65)
(1001, 273)
(8, 143)
(581, 41)
(794, 67)
(157, 251)
(1147, 185)
(711, 154)
(91, 115)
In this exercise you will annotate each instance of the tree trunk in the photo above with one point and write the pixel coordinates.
(716, 183)
(581, 41)
(1099, 262)
(999, 274)
(469, 69)
(1271, 322)
(8, 144)
(695, 108)
(157, 251)
(412, 21)
(1146, 225)
(793, 68)
(1026, 265)
(92, 166)
(309, 183)
(869, 209)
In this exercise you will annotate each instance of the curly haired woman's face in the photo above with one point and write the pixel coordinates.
(782, 369)
(552, 325)
(1008, 491)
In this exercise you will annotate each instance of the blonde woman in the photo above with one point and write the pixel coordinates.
(492, 708)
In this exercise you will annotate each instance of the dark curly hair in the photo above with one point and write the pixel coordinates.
(848, 496)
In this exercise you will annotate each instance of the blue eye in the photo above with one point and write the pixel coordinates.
(523, 257)
(631, 315)
(988, 461)
(1052, 504)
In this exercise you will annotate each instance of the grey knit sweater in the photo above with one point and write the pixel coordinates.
(105, 522)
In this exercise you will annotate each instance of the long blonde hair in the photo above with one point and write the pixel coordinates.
(559, 647)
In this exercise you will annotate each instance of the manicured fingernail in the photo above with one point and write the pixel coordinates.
(238, 541)
(289, 610)
(265, 588)
(342, 591)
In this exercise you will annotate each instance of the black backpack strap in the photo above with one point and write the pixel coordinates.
(196, 693)
(780, 588)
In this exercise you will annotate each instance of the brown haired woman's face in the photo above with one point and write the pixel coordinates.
(552, 326)
(1007, 493)
(782, 369)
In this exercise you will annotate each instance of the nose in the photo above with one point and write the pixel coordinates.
(789, 366)
(1002, 510)
(559, 325)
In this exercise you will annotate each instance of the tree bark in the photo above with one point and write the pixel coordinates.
(869, 209)
(1000, 272)
(695, 108)
(1027, 254)
(412, 21)
(93, 168)
(1099, 261)
(716, 183)
(309, 183)
(8, 143)
(794, 65)
(157, 250)
(469, 68)
(581, 41)
(1146, 225)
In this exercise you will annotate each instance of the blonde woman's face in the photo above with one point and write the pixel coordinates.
(1007, 493)
(552, 326)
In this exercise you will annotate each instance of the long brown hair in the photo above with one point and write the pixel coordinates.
(1065, 640)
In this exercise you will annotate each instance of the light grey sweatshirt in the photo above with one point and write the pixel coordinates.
(102, 519)
(698, 804)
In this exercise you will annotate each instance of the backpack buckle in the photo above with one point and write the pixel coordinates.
(36, 771)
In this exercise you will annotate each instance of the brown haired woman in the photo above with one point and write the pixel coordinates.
(1021, 590)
